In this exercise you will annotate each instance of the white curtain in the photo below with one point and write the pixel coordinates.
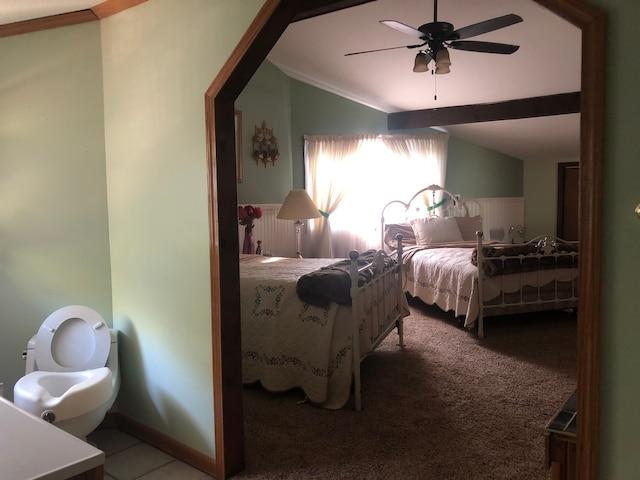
(351, 178)
(327, 163)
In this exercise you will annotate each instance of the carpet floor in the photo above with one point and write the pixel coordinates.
(447, 406)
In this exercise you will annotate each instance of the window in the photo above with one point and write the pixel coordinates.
(352, 178)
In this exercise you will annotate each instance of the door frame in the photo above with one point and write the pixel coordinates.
(244, 61)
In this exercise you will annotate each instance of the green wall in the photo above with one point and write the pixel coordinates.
(266, 98)
(620, 388)
(55, 182)
(472, 170)
(317, 112)
(541, 195)
(158, 59)
(476, 171)
(104, 196)
(54, 236)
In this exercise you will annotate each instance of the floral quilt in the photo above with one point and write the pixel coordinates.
(287, 343)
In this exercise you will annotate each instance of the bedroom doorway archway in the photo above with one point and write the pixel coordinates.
(248, 55)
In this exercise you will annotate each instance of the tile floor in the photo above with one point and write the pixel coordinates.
(127, 458)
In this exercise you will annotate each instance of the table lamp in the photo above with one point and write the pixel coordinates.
(298, 206)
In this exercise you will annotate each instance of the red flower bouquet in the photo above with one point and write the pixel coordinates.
(247, 214)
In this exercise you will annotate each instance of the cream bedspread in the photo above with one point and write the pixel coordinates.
(444, 276)
(287, 343)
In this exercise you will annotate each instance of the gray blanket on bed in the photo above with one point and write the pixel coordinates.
(333, 282)
(530, 258)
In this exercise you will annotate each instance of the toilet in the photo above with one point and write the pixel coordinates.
(71, 375)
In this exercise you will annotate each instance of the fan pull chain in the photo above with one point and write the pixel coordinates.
(435, 86)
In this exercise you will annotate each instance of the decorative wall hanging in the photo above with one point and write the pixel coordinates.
(265, 146)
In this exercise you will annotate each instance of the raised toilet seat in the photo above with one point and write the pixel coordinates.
(69, 377)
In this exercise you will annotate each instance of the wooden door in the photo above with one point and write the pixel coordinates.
(567, 214)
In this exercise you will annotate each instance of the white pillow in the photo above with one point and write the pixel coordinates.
(436, 230)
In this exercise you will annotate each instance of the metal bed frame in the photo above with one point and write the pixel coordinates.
(380, 302)
(545, 246)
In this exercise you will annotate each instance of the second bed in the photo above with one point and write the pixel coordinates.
(447, 263)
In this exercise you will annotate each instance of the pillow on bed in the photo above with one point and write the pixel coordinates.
(392, 229)
(436, 230)
(468, 226)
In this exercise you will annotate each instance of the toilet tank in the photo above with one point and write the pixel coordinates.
(113, 365)
(30, 356)
(112, 359)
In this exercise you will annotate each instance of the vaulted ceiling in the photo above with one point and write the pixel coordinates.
(547, 63)
(313, 51)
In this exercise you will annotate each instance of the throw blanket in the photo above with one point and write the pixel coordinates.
(527, 257)
(333, 282)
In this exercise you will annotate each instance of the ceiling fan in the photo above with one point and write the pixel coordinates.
(437, 36)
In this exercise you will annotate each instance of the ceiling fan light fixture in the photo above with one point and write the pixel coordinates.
(422, 62)
(437, 36)
(443, 62)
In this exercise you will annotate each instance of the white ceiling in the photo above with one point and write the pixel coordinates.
(548, 62)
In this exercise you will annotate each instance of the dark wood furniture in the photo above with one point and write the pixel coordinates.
(561, 441)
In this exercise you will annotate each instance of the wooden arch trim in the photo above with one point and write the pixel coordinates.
(98, 12)
(246, 58)
(592, 22)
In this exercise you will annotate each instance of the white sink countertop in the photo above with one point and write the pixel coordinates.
(31, 448)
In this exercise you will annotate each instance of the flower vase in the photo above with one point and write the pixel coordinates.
(248, 246)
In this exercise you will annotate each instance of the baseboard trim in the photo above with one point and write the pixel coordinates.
(161, 441)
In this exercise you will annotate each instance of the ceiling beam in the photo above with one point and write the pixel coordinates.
(560, 104)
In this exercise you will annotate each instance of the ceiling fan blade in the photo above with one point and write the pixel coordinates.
(401, 27)
(486, 26)
(484, 47)
(383, 49)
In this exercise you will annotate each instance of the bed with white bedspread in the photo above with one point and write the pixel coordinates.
(447, 263)
(289, 342)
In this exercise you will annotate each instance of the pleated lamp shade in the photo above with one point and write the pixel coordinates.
(298, 206)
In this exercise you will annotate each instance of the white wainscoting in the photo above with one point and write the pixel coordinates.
(498, 214)
(277, 236)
